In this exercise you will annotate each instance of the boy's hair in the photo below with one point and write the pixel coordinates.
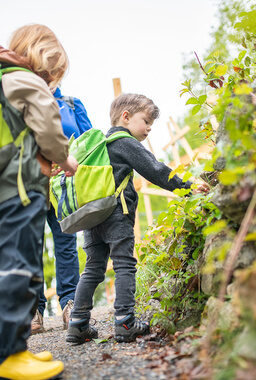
(132, 103)
(43, 51)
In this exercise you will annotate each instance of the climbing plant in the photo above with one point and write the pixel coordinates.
(169, 257)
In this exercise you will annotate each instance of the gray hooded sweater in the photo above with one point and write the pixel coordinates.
(127, 154)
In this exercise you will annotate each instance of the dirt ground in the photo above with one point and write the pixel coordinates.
(151, 357)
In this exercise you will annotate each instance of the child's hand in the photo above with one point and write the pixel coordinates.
(69, 166)
(55, 169)
(201, 187)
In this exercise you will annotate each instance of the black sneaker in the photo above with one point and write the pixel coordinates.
(129, 328)
(80, 332)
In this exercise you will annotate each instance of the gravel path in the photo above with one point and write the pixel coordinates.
(106, 360)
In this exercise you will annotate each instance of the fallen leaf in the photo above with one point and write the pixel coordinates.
(106, 356)
(98, 340)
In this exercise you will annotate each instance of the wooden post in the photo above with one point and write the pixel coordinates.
(117, 87)
(149, 145)
(175, 150)
(147, 203)
(179, 136)
(137, 232)
(183, 140)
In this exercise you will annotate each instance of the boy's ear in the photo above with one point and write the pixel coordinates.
(125, 116)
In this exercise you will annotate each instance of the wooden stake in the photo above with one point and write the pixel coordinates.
(147, 203)
(177, 137)
(117, 87)
(175, 150)
(183, 140)
(149, 145)
(137, 231)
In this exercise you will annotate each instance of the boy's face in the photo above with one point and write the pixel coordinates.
(138, 124)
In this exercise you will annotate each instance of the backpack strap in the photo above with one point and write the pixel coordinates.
(11, 69)
(64, 197)
(69, 100)
(118, 135)
(120, 190)
(21, 188)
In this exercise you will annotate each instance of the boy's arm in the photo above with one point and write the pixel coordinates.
(28, 93)
(145, 163)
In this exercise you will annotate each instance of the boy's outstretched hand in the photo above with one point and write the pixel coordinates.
(201, 187)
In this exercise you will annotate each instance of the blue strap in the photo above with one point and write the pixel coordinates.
(73, 192)
(64, 197)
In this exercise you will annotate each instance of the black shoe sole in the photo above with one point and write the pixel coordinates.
(129, 339)
(125, 339)
(76, 340)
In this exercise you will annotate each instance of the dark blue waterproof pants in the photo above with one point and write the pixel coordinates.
(21, 271)
(67, 265)
(113, 238)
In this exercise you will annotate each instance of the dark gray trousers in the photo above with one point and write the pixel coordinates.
(113, 238)
(21, 270)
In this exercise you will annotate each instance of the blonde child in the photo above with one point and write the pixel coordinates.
(30, 116)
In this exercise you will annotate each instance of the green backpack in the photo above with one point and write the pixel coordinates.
(13, 131)
(89, 197)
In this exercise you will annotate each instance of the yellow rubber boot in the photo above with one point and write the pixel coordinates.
(44, 356)
(24, 366)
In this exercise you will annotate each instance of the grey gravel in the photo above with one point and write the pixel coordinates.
(107, 360)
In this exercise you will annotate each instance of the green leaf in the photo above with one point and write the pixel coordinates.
(228, 177)
(181, 192)
(182, 92)
(160, 258)
(208, 167)
(98, 340)
(221, 70)
(215, 228)
(247, 61)
(242, 89)
(250, 236)
(196, 253)
(187, 84)
(196, 109)
(187, 176)
(202, 99)
(235, 62)
(247, 23)
(178, 170)
(248, 142)
(209, 67)
(156, 295)
(216, 54)
(190, 205)
(241, 55)
(141, 257)
(192, 101)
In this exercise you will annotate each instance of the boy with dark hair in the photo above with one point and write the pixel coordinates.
(114, 237)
